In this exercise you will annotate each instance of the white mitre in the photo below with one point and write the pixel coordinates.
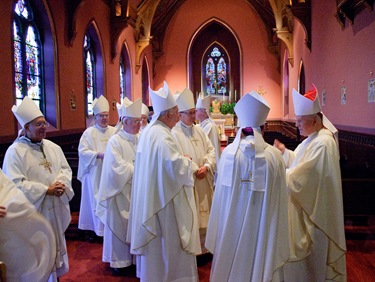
(26, 111)
(203, 102)
(306, 104)
(131, 109)
(252, 110)
(185, 100)
(309, 104)
(144, 110)
(100, 105)
(162, 100)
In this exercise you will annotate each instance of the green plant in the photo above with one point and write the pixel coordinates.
(227, 108)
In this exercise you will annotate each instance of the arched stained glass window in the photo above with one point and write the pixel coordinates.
(216, 73)
(89, 74)
(27, 50)
(122, 79)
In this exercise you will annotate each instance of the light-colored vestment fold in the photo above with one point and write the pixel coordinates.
(316, 210)
(163, 216)
(114, 197)
(93, 141)
(248, 229)
(33, 167)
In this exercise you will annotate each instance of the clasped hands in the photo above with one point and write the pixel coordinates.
(56, 189)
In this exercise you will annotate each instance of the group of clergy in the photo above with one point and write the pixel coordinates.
(275, 214)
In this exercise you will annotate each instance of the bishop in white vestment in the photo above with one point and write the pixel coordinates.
(315, 208)
(163, 216)
(115, 186)
(248, 227)
(207, 124)
(196, 144)
(91, 152)
(39, 169)
(27, 240)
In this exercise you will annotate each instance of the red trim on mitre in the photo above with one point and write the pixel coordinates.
(311, 94)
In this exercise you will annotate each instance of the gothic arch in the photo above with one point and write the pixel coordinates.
(209, 32)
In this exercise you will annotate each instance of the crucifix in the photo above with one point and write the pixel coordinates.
(46, 164)
(195, 141)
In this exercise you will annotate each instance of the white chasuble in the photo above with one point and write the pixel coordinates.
(163, 218)
(248, 228)
(93, 141)
(27, 240)
(316, 211)
(33, 167)
(210, 128)
(196, 144)
(114, 197)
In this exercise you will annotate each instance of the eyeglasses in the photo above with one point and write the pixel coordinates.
(189, 113)
(103, 115)
(41, 124)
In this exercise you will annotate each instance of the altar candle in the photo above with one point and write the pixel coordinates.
(235, 95)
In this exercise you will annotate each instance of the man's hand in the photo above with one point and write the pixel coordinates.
(56, 189)
(3, 211)
(202, 172)
(279, 145)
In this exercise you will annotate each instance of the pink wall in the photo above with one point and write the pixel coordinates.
(339, 57)
(259, 67)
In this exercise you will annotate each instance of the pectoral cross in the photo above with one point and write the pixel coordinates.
(194, 140)
(46, 164)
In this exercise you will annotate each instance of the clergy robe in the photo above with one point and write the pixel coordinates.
(92, 142)
(210, 128)
(316, 210)
(196, 144)
(248, 229)
(27, 241)
(33, 167)
(163, 216)
(114, 197)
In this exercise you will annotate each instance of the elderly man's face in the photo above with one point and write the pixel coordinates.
(200, 114)
(188, 117)
(36, 129)
(102, 119)
(144, 120)
(305, 124)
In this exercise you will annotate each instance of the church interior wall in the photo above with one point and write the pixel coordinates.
(259, 67)
(339, 57)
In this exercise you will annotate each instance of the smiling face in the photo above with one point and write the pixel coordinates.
(36, 129)
(200, 114)
(306, 124)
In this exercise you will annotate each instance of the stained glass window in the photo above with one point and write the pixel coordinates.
(216, 73)
(122, 79)
(89, 74)
(27, 50)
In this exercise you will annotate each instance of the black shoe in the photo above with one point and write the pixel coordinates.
(123, 271)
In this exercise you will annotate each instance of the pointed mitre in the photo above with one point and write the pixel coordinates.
(130, 109)
(144, 110)
(185, 100)
(162, 99)
(203, 102)
(100, 105)
(252, 110)
(26, 111)
(306, 104)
